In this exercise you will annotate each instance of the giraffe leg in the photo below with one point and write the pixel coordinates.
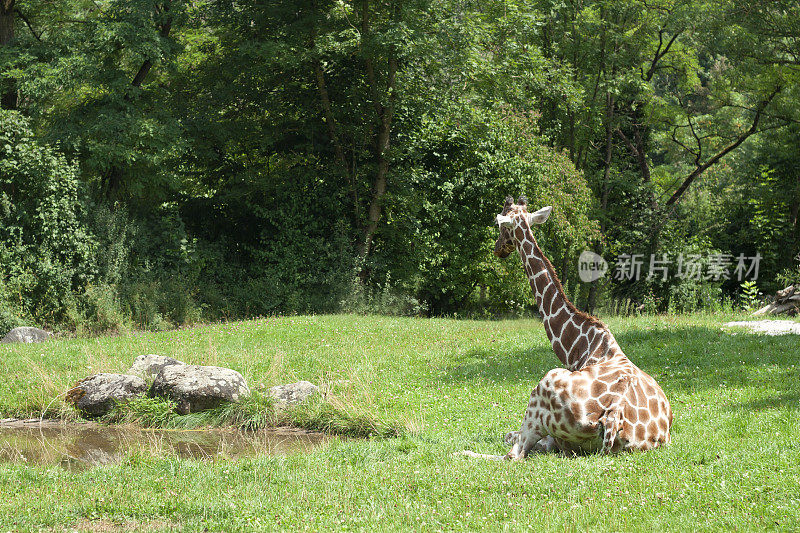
(546, 445)
(613, 417)
(533, 429)
(523, 442)
(611, 424)
(511, 437)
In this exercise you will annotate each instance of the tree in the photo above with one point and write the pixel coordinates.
(8, 91)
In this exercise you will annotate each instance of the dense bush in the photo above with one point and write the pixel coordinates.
(45, 249)
(439, 235)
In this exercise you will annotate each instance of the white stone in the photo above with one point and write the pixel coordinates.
(293, 393)
(26, 335)
(148, 366)
(197, 388)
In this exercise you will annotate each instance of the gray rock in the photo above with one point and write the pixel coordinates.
(197, 388)
(148, 366)
(293, 393)
(26, 334)
(96, 395)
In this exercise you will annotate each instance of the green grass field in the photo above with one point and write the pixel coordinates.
(734, 461)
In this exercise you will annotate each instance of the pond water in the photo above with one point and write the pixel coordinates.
(82, 446)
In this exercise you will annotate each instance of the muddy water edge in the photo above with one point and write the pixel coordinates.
(79, 446)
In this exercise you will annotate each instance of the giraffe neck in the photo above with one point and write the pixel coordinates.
(578, 340)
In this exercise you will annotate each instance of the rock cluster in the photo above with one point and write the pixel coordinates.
(193, 388)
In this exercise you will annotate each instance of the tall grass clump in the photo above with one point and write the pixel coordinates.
(340, 418)
(320, 413)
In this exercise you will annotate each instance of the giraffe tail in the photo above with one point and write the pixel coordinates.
(474, 455)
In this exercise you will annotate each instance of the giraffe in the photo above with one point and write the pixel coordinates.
(601, 401)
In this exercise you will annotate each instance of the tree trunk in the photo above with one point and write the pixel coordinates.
(591, 300)
(384, 115)
(9, 99)
(382, 150)
(325, 101)
(793, 214)
(637, 150)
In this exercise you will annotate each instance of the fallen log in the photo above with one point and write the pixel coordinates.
(777, 308)
(786, 301)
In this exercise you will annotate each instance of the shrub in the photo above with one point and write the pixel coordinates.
(45, 248)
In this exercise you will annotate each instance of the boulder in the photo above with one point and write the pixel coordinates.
(293, 393)
(96, 395)
(148, 366)
(197, 388)
(26, 334)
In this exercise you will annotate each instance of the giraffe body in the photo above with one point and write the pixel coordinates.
(602, 401)
(609, 407)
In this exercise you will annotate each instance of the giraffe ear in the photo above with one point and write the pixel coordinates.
(504, 221)
(540, 216)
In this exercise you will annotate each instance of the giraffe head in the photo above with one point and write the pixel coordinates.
(508, 219)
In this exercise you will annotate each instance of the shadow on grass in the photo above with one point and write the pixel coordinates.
(501, 366)
(781, 401)
(683, 360)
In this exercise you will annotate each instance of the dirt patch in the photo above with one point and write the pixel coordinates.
(768, 327)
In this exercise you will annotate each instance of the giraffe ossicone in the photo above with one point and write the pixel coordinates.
(602, 401)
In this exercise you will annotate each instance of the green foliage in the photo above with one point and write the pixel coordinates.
(339, 418)
(790, 276)
(146, 412)
(748, 298)
(45, 250)
(439, 233)
(257, 411)
(209, 160)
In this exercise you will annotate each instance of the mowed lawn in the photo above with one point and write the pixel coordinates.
(734, 461)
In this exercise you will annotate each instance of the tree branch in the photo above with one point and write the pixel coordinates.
(28, 24)
(164, 29)
(660, 53)
(732, 146)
